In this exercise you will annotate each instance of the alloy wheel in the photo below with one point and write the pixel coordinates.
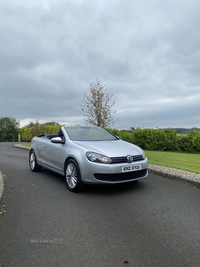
(71, 175)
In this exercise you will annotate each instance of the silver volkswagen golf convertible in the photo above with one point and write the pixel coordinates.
(88, 154)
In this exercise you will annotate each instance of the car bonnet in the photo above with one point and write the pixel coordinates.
(115, 148)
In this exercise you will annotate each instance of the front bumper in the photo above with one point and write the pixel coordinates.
(112, 173)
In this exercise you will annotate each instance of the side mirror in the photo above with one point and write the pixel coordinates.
(57, 140)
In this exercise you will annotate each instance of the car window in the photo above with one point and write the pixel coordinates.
(88, 134)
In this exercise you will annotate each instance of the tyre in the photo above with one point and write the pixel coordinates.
(33, 162)
(73, 176)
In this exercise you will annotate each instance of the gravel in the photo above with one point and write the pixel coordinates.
(187, 177)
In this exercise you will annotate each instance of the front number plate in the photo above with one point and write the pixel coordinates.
(131, 168)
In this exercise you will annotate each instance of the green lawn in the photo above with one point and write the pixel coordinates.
(27, 145)
(181, 161)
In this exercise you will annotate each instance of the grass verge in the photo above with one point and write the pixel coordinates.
(182, 161)
(27, 145)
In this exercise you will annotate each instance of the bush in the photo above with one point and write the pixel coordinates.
(194, 137)
(183, 143)
(52, 129)
(161, 140)
(189, 143)
(123, 134)
(27, 133)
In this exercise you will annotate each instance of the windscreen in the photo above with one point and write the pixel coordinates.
(85, 133)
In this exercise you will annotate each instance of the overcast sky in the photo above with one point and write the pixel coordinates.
(147, 53)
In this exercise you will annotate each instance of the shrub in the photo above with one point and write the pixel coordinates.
(123, 134)
(183, 143)
(27, 133)
(161, 140)
(194, 137)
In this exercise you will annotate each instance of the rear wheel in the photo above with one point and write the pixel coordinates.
(33, 162)
(73, 176)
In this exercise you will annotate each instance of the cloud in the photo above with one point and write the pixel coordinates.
(147, 54)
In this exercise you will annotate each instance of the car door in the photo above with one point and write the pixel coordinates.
(55, 155)
(40, 151)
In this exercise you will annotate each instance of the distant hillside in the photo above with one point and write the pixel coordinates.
(184, 130)
(178, 130)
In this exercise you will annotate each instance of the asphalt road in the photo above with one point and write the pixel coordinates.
(151, 223)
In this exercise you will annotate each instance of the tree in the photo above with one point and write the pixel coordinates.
(36, 123)
(9, 129)
(51, 123)
(97, 106)
(36, 128)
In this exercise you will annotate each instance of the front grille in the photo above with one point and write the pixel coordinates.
(124, 159)
(117, 177)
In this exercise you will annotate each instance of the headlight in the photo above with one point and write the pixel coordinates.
(143, 154)
(95, 157)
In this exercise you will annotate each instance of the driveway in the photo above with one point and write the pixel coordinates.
(150, 223)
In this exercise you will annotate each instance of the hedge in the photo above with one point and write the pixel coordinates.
(161, 140)
(189, 143)
(147, 139)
